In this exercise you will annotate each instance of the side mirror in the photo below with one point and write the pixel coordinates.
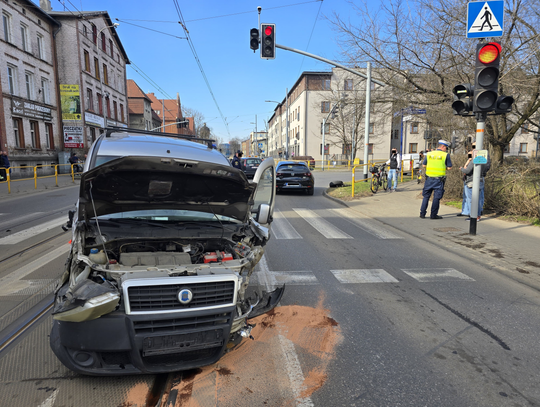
(263, 214)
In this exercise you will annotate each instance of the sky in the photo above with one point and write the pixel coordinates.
(240, 81)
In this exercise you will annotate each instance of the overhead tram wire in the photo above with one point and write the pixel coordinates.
(149, 80)
(150, 29)
(194, 52)
(310, 35)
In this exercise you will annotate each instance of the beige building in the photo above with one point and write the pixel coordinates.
(29, 119)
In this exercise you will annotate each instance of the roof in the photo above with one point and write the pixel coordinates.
(82, 15)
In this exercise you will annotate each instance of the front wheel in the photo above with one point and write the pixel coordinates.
(385, 181)
(374, 184)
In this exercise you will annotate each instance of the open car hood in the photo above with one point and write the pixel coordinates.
(147, 183)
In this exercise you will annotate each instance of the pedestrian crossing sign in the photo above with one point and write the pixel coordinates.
(485, 19)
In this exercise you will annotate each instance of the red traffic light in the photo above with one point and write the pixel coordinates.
(489, 52)
(268, 30)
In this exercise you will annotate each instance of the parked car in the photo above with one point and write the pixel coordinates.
(165, 237)
(293, 175)
(406, 162)
(250, 165)
(309, 160)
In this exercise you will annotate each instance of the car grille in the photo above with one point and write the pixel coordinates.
(165, 297)
(181, 324)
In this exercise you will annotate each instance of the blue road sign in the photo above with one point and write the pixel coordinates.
(485, 19)
(409, 110)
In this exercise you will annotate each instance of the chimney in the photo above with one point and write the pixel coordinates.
(45, 5)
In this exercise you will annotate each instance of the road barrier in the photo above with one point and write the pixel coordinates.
(72, 172)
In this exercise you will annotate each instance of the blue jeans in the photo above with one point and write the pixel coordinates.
(392, 174)
(435, 186)
(467, 198)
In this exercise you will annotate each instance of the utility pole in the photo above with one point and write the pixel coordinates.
(368, 119)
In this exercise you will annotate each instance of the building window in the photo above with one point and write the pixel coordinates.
(395, 134)
(326, 128)
(413, 148)
(18, 132)
(96, 67)
(121, 112)
(86, 61)
(325, 107)
(326, 84)
(92, 134)
(108, 103)
(346, 149)
(298, 113)
(40, 48)
(12, 79)
(89, 100)
(414, 127)
(525, 128)
(85, 31)
(100, 104)
(105, 75)
(111, 48)
(326, 149)
(348, 85)
(370, 148)
(103, 42)
(115, 110)
(24, 37)
(34, 134)
(29, 83)
(371, 128)
(49, 135)
(45, 91)
(522, 148)
(94, 34)
(6, 20)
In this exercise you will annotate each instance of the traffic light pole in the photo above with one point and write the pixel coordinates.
(477, 173)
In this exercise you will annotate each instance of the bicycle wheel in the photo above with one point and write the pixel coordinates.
(384, 181)
(374, 183)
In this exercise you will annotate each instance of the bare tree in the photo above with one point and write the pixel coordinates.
(198, 118)
(422, 52)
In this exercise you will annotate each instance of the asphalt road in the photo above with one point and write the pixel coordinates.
(370, 317)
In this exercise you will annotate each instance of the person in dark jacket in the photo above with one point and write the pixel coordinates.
(236, 162)
(4, 164)
(395, 167)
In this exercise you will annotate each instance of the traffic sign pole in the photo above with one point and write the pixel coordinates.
(477, 173)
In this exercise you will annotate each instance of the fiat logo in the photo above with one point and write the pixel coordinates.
(185, 296)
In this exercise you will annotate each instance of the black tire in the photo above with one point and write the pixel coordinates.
(374, 184)
(311, 191)
(385, 181)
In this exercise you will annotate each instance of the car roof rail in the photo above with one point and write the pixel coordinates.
(116, 129)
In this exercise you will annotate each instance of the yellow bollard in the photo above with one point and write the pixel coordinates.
(35, 177)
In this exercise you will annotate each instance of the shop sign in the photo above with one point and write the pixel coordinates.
(73, 137)
(20, 107)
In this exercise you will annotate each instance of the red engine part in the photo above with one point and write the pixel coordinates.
(210, 257)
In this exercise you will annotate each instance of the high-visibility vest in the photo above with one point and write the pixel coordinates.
(436, 163)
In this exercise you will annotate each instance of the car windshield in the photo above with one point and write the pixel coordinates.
(253, 161)
(293, 167)
(167, 215)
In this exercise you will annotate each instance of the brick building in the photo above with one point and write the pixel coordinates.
(141, 114)
(170, 113)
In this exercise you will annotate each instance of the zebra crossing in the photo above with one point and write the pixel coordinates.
(271, 279)
(282, 229)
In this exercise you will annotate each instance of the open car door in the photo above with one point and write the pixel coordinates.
(265, 178)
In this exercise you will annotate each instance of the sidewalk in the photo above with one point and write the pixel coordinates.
(25, 187)
(508, 247)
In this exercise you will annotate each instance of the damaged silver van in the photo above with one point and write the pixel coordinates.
(165, 238)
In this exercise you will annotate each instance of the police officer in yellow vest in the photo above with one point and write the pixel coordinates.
(435, 164)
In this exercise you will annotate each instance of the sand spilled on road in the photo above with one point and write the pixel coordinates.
(255, 372)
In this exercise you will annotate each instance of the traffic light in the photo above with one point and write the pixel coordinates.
(486, 84)
(504, 104)
(254, 39)
(268, 41)
(463, 99)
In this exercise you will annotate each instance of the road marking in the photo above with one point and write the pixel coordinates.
(33, 266)
(427, 275)
(355, 276)
(292, 364)
(50, 400)
(282, 228)
(27, 233)
(365, 223)
(278, 278)
(24, 287)
(322, 225)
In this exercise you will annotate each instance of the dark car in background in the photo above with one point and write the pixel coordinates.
(250, 165)
(292, 175)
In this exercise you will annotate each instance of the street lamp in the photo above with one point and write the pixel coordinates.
(114, 25)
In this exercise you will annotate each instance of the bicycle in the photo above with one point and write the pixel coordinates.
(379, 177)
